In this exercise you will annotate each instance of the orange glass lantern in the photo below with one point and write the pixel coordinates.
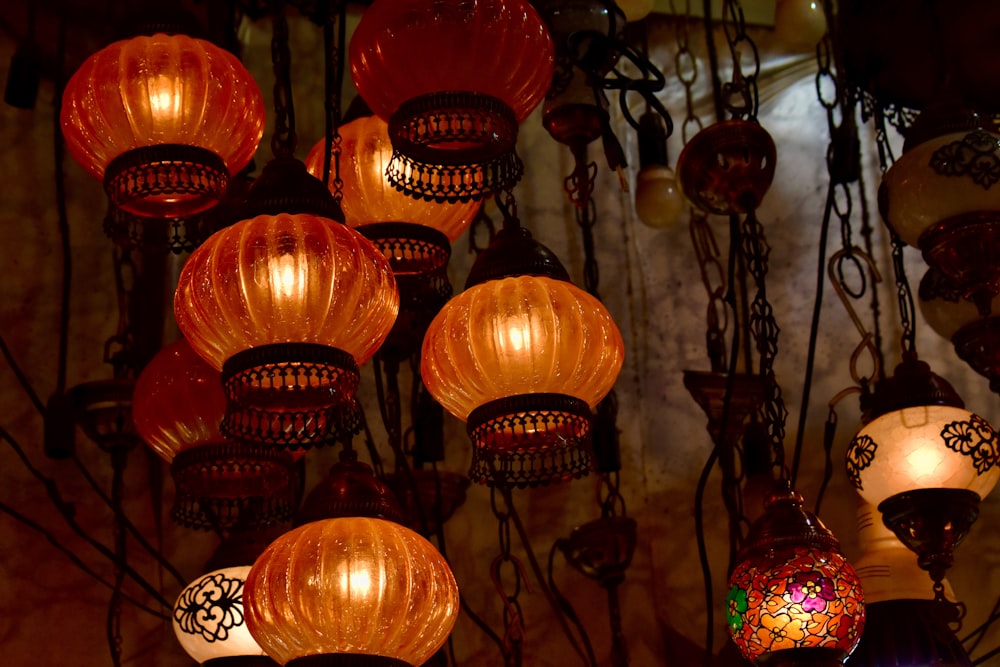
(453, 79)
(413, 234)
(794, 600)
(287, 304)
(522, 355)
(351, 591)
(177, 407)
(164, 120)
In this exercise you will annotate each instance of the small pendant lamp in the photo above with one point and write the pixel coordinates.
(164, 120)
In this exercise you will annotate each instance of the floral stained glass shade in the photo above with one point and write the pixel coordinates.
(797, 597)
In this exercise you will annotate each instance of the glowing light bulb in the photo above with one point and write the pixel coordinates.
(658, 201)
(287, 275)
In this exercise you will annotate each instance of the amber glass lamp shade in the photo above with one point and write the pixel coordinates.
(287, 306)
(177, 407)
(501, 346)
(793, 597)
(453, 79)
(163, 120)
(209, 622)
(923, 447)
(351, 587)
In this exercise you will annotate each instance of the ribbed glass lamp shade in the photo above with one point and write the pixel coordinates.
(934, 446)
(281, 279)
(351, 585)
(520, 335)
(793, 598)
(208, 617)
(369, 197)
(164, 120)
(178, 401)
(454, 79)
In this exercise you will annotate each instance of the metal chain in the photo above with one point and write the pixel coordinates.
(119, 349)
(686, 69)
(513, 618)
(586, 218)
(283, 140)
(740, 96)
(334, 37)
(904, 295)
(713, 276)
(765, 334)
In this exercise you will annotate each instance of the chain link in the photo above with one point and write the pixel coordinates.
(713, 276)
(686, 68)
(513, 618)
(283, 140)
(119, 349)
(740, 96)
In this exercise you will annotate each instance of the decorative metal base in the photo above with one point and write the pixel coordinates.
(350, 489)
(176, 235)
(234, 485)
(410, 248)
(727, 167)
(454, 146)
(291, 395)
(103, 409)
(978, 344)
(709, 390)
(602, 549)
(931, 523)
(347, 660)
(964, 248)
(429, 497)
(165, 181)
(803, 657)
(530, 440)
(241, 661)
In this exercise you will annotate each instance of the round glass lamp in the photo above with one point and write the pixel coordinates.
(177, 407)
(209, 621)
(287, 305)
(794, 600)
(163, 120)
(453, 79)
(351, 591)
(522, 358)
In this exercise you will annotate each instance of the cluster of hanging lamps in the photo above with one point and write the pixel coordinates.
(453, 79)
(221, 484)
(164, 120)
(794, 599)
(522, 356)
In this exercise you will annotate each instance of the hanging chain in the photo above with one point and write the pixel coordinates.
(740, 95)
(119, 350)
(765, 334)
(586, 218)
(283, 140)
(713, 276)
(904, 296)
(686, 68)
(513, 619)
(334, 37)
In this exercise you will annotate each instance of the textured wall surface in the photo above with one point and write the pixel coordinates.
(51, 613)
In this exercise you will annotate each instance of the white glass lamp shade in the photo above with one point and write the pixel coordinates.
(939, 179)
(659, 202)
(208, 617)
(923, 447)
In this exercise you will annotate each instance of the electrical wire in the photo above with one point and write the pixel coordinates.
(21, 377)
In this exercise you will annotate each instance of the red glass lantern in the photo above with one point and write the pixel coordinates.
(794, 600)
(351, 591)
(288, 305)
(164, 120)
(453, 79)
(177, 407)
(522, 359)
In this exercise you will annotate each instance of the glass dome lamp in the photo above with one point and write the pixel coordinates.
(794, 600)
(974, 333)
(221, 484)
(522, 356)
(164, 120)
(287, 303)
(209, 621)
(925, 462)
(941, 196)
(415, 235)
(453, 79)
(351, 591)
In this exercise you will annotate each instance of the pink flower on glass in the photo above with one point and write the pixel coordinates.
(812, 591)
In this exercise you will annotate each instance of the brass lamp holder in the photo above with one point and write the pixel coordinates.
(978, 345)
(350, 489)
(964, 248)
(602, 549)
(164, 179)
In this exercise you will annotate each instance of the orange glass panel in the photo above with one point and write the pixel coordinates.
(285, 278)
(368, 195)
(402, 49)
(520, 335)
(351, 585)
(178, 401)
(164, 89)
